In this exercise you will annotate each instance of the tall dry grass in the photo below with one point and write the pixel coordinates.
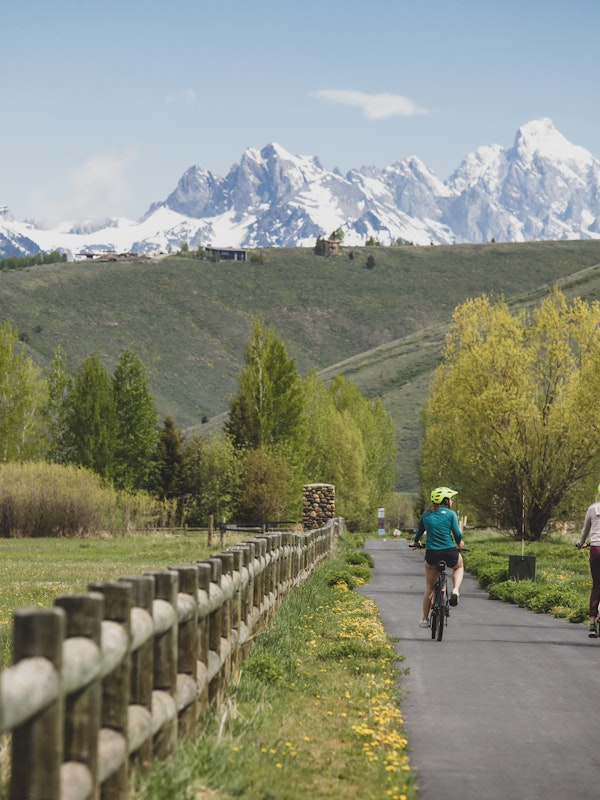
(46, 500)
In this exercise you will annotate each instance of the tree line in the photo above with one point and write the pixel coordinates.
(283, 431)
(20, 262)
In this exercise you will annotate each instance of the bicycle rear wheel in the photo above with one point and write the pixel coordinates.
(434, 616)
(441, 613)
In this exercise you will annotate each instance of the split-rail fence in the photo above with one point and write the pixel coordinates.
(106, 681)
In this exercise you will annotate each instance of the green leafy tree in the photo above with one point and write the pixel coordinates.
(266, 491)
(90, 418)
(514, 410)
(22, 398)
(337, 235)
(210, 478)
(378, 437)
(320, 247)
(136, 422)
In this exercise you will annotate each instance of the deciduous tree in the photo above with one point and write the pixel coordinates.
(514, 409)
(90, 418)
(22, 397)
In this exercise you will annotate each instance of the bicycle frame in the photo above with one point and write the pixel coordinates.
(440, 606)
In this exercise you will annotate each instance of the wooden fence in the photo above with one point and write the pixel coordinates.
(108, 680)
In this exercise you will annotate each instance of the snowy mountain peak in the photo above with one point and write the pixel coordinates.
(543, 187)
(540, 138)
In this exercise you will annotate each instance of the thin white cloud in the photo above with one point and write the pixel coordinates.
(96, 188)
(187, 97)
(372, 106)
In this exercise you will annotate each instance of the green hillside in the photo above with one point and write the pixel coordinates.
(189, 320)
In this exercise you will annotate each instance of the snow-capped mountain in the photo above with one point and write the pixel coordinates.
(543, 187)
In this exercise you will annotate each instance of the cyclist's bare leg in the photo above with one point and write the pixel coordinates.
(458, 573)
(431, 574)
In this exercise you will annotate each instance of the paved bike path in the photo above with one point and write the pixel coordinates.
(506, 707)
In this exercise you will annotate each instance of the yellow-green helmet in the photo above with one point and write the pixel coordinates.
(440, 493)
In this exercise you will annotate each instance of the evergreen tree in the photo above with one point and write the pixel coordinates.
(136, 422)
(269, 407)
(166, 475)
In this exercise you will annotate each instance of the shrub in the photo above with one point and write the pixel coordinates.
(45, 500)
(361, 558)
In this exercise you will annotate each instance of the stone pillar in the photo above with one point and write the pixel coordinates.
(318, 505)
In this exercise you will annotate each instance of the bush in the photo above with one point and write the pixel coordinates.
(45, 500)
(361, 558)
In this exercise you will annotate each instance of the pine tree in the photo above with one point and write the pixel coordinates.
(136, 422)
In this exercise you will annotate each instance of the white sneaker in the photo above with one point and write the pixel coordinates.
(454, 597)
(424, 623)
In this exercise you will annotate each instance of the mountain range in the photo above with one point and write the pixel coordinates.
(542, 188)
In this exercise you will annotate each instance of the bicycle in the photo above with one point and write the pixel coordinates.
(440, 604)
(592, 633)
(439, 613)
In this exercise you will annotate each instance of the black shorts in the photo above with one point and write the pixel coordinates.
(450, 556)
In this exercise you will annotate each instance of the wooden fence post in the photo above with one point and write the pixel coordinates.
(204, 574)
(37, 745)
(142, 668)
(82, 709)
(165, 660)
(216, 626)
(116, 687)
(187, 647)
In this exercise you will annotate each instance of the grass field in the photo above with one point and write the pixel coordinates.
(33, 571)
(190, 320)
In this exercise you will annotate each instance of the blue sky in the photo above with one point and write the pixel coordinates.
(104, 105)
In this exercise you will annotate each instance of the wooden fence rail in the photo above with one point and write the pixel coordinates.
(107, 680)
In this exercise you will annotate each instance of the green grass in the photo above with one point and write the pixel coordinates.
(190, 320)
(562, 583)
(33, 571)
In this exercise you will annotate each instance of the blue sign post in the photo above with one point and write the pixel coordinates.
(381, 522)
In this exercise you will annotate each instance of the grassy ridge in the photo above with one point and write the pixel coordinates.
(190, 320)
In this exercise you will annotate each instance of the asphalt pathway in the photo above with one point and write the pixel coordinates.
(506, 706)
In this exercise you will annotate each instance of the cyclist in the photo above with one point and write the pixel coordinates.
(443, 542)
(591, 528)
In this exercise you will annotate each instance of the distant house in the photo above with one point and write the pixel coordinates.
(333, 246)
(227, 253)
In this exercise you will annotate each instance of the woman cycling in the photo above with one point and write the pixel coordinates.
(443, 542)
(591, 528)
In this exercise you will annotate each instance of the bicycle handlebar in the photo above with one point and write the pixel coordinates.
(419, 546)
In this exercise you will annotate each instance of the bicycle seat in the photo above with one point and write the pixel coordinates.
(441, 566)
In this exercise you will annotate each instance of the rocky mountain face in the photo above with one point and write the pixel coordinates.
(543, 187)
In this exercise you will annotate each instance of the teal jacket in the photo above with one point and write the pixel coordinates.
(441, 527)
